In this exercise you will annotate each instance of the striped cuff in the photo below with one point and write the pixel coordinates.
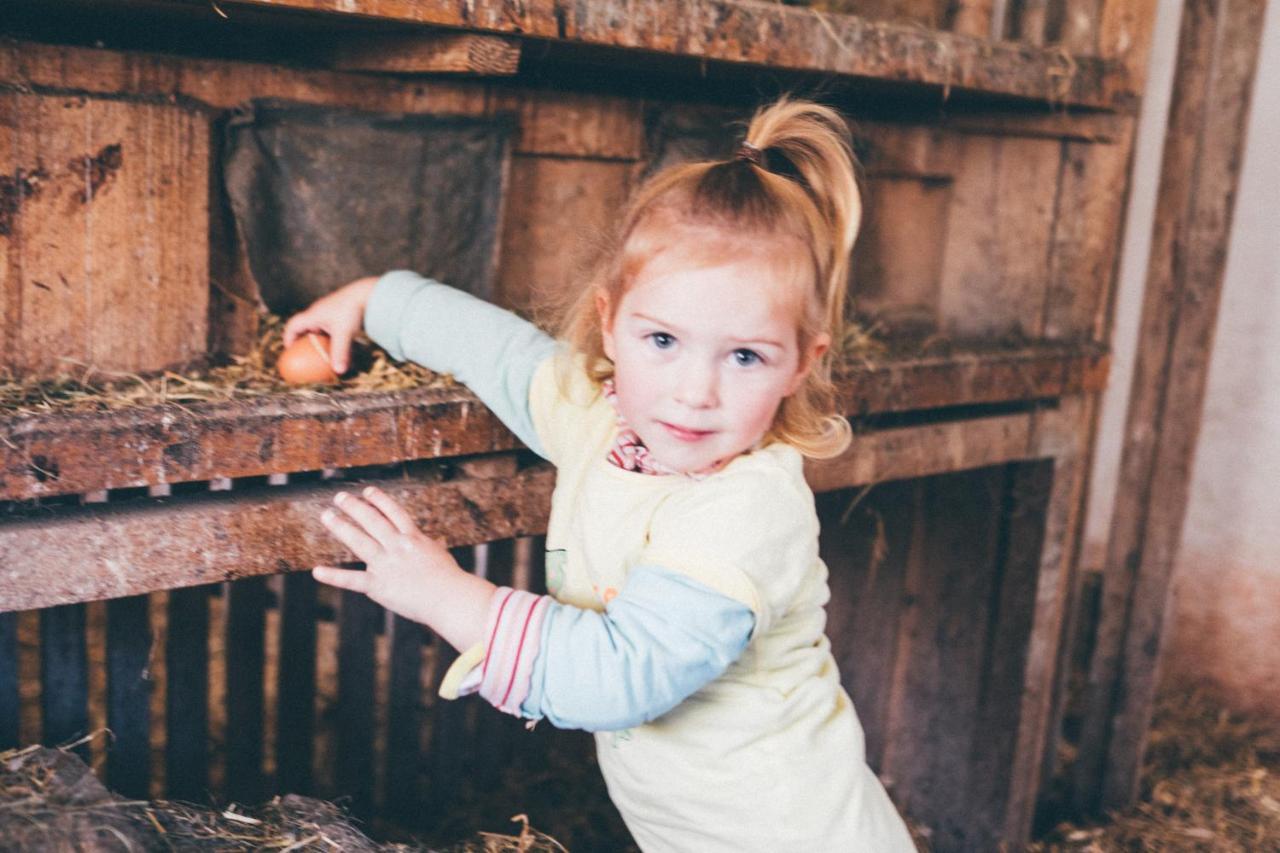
(514, 632)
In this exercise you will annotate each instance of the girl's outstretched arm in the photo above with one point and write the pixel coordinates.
(489, 349)
(407, 571)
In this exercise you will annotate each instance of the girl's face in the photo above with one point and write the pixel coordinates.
(703, 357)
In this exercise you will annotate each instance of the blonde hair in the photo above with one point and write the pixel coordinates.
(791, 185)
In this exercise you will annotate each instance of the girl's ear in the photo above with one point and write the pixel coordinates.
(606, 322)
(808, 358)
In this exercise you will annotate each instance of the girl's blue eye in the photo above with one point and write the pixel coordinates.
(661, 340)
(746, 357)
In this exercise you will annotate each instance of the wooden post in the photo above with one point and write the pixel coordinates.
(1217, 56)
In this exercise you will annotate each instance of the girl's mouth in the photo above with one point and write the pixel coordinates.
(683, 434)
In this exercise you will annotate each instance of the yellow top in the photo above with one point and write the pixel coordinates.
(769, 756)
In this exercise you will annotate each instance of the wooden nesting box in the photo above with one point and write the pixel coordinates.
(995, 149)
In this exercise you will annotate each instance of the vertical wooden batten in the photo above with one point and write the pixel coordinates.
(1217, 58)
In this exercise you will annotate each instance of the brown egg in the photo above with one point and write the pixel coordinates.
(306, 361)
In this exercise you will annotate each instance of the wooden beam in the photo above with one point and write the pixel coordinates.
(783, 38)
(921, 451)
(64, 453)
(130, 548)
(1203, 152)
(429, 53)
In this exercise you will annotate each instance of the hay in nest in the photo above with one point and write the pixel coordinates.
(85, 388)
(1211, 782)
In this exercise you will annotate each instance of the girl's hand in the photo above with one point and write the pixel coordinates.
(339, 315)
(406, 571)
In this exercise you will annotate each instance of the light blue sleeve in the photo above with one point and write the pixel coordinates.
(490, 350)
(661, 639)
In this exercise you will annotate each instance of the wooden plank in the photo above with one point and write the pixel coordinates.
(296, 687)
(560, 123)
(64, 677)
(1079, 30)
(1058, 434)
(10, 699)
(186, 753)
(404, 721)
(897, 265)
(973, 18)
(1026, 497)
(222, 84)
(1087, 232)
(447, 753)
(129, 642)
(126, 550)
(1203, 152)
(1124, 36)
(736, 34)
(920, 451)
(358, 620)
(94, 282)
(426, 53)
(865, 539)
(995, 261)
(1033, 17)
(64, 453)
(937, 702)
(557, 211)
(246, 617)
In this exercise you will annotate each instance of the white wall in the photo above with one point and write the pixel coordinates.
(1225, 616)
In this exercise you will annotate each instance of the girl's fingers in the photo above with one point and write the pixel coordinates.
(367, 516)
(364, 546)
(395, 513)
(342, 578)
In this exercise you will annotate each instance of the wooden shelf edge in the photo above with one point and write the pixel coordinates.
(67, 453)
(768, 35)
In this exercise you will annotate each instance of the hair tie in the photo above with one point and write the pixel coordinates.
(747, 151)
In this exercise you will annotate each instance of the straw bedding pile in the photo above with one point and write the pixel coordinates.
(50, 800)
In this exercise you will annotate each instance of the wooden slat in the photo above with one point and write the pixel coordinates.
(1058, 434)
(296, 690)
(404, 721)
(358, 619)
(995, 265)
(1203, 152)
(128, 696)
(1124, 36)
(64, 676)
(973, 17)
(722, 31)
(936, 704)
(186, 752)
(1026, 493)
(438, 53)
(1087, 231)
(921, 451)
(62, 453)
(93, 282)
(1033, 16)
(448, 753)
(864, 542)
(556, 210)
(1080, 19)
(10, 701)
(131, 549)
(246, 620)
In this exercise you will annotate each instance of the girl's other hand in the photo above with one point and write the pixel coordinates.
(406, 571)
(339, 315)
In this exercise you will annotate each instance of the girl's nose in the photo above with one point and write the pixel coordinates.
(698, 388)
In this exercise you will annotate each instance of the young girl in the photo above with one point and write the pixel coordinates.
(684, 624)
